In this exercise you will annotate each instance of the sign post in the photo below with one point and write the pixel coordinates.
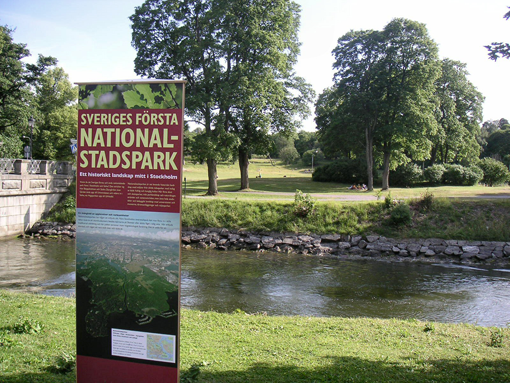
(129, 172)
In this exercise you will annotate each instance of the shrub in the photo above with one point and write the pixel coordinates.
(472, 175)
(453, 175)
(406, 175)
(401, 215)
(494, 172)
(462, 176)
(434, 174)
(303, 204)
(344, 170)
(289, 154)
(426, 201)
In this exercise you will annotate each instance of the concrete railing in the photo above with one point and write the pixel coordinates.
(28, 189)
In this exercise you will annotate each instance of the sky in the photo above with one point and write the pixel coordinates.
(92, 38)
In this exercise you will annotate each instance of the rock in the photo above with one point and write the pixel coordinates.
(356, 239)
(344, 245)
(372, 238)
(362, 244)
(471, 249)
(413, 247)
(468, 256)
(330, 238)
(453, 250)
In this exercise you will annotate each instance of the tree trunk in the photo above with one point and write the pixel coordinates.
(386, 170)
(433, 155)
(212, 175)
(370, 159)
(243, 167)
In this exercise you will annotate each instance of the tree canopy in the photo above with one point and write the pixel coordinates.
(499, 50)
(384, 85)
(39, 90)
(237, 58)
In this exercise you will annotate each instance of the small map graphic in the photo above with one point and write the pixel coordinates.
(161, 347)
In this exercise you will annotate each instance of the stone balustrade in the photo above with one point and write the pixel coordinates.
(28, 189)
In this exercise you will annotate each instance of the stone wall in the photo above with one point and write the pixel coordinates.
(347, 246)
(351, 246)
(28, 189)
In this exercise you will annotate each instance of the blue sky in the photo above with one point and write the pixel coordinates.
(92, 38)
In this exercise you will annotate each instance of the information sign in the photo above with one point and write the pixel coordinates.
(129, 172)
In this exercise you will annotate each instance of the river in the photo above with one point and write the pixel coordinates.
(292, 284)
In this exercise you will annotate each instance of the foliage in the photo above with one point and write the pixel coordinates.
(460, 175)
(425, 202)
(406, 175)
(389, 202)
(34, 90)
(497, 50)
(12, 144)
(401, 215)
(237, 58)
(498, 143)
(434, 174)
(384, 84)
(312, 157)
(494, 172)
(306, 141)
(64, 363)
(65, 210)
(497, 337)
(288, 154)
(304, 204)
(56, 104)
(27, 326)
(458, 114)
(349, 171)
(16, 80)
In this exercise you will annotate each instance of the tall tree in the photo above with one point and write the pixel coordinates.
(179, 39)
(237, 57)
(459, 115)
(260, 91)
(385, 82)
(57, 115)
(17, 79)
(17, 84)
(340, 134)
(497, 50)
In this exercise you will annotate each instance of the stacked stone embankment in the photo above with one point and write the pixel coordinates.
(348, 246)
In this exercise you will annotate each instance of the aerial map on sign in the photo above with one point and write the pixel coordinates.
(127, 270)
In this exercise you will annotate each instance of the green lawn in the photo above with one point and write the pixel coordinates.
(37, 345)
(277, 178)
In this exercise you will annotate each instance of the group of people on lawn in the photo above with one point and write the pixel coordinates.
(359, 187)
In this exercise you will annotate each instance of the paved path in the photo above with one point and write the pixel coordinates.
(344, 197)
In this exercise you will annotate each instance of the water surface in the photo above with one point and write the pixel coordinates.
(280, 284)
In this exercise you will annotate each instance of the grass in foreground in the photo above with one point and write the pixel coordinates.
(257, 348)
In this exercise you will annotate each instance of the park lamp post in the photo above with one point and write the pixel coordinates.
(313, 153)
(31, 123)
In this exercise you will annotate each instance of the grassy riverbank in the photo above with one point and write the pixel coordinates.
(37, 344)
(445, 218)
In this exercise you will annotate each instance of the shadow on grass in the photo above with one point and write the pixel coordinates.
(275, 184)
(351, 369)
(43, 377)
(336, 369)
